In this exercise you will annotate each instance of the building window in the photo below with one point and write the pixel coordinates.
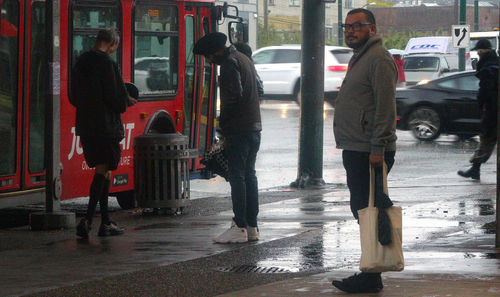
(294, 2)
(243, 1)
(348, 4)
(272, 2)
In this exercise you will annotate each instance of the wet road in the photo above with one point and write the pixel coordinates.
(446, 228)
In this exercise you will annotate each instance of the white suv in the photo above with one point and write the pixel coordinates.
(279, 69)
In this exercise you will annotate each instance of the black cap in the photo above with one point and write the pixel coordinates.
(132, 90)
(210, 43)
(483, 43)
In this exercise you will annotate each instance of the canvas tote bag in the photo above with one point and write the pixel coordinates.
(374, 256)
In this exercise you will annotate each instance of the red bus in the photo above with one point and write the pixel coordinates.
(177, 89)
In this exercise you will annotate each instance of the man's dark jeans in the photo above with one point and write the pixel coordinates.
(241, 155)
(357, 167)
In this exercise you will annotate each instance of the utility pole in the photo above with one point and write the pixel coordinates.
(461, 51)
(476, 15)
(53, 217)
(497, 233)
(310, 167)
(266, 15)
(340, 20)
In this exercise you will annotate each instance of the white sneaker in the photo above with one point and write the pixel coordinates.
(234, 234)
(253, 233)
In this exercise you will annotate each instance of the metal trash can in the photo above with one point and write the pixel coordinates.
(161, 170)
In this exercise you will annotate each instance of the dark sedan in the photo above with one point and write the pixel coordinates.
(445, 105)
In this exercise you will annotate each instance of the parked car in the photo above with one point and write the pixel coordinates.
(279, 69)
(151, 75)
(445, 105)
(421, 67)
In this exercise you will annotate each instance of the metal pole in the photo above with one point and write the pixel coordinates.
(310, 167)
(266, 15)
(52, 159)
(497, 233)
(340, 20)
(461, 51)
(476, 15)
(52, 218)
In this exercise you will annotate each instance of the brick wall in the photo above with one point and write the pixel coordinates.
(425, 19)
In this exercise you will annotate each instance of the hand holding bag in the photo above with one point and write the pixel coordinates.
(376, 257)
(215, 159)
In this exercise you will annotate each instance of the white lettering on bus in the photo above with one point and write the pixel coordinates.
(128, 131)
(76, 146)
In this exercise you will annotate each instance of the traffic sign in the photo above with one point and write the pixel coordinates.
(460, 35)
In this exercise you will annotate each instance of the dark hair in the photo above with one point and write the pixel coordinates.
(108, 35)
(244, 48)
(368, 14)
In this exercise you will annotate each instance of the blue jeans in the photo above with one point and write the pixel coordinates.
(241, 155)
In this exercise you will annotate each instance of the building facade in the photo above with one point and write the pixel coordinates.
(285, 15)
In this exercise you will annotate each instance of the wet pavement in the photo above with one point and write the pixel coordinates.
(308, 237)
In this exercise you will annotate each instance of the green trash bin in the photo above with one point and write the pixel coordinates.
(161, 170)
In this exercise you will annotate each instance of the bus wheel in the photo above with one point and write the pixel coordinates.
(126, 200)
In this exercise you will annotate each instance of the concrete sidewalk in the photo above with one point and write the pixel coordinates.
(308, 235)
(395, 284)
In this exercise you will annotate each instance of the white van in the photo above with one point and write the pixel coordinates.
(428, 58)
(492, 36)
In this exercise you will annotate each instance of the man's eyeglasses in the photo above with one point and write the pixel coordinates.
(356, 26)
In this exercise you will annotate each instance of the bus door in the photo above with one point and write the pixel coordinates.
(199, 92)
(23, 91)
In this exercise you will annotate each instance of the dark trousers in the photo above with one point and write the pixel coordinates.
(241, 155)
(357, 167)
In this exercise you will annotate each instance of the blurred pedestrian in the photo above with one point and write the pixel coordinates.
(401, 72)
(247, 50)
(487, 72)
(99, 95)
(365, 121)
(240, 124)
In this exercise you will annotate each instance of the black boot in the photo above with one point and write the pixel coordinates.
(473, 172)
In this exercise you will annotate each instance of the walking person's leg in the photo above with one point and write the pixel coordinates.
(111, 153)
(252, 187)
(96, 188)
(481, 155)
(237, 152)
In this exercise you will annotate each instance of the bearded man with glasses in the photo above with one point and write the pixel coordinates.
(365, 122)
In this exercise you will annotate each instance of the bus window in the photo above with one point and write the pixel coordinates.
(9, 47)
(188, 77)
(88, 18)
(156, 49)
(38, 88)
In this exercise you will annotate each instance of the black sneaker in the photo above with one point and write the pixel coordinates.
(83, 228)
(110, 229)
(360, 283)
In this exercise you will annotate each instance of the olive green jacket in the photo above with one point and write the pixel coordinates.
(365, 109)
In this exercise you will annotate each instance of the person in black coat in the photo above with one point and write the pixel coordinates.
(487, 72)
(240, 124)
(99, 95)
(247, 50)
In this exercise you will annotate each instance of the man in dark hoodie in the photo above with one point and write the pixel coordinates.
(100, 96)
(241, 125)
(487, 72)
(365, 121)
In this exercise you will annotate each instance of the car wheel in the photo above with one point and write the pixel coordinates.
(126, 200)
(425, 124)
(297, 94)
